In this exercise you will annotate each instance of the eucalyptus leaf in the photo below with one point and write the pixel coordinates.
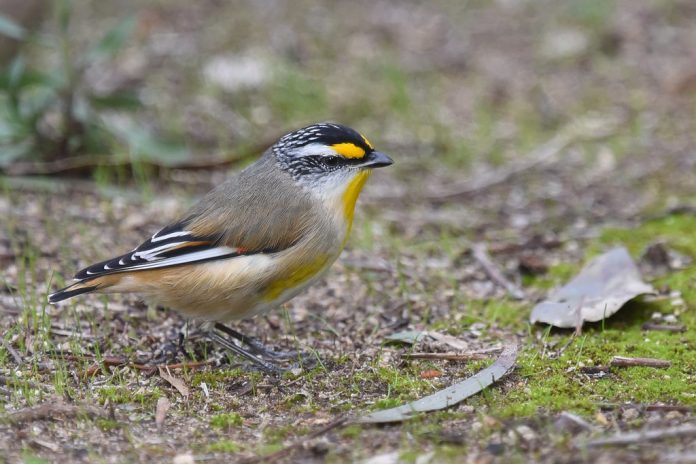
(10, 28)
(143, 145)
(601, 288)
(15, 71)
(408, 336)
(117, 101)
(13, 152)
(113, 40)
(450, 395)
(64, 14)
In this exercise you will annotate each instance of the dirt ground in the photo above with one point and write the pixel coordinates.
(548, 131)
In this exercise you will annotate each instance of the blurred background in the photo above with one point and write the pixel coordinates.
(449, 88)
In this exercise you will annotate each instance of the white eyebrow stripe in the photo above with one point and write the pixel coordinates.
(155, 238)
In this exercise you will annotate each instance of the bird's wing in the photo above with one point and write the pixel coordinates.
(256, 212)
(172, 246)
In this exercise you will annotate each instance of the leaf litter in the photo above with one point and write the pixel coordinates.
(601, 288)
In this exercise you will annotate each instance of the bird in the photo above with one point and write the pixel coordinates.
(253, 242)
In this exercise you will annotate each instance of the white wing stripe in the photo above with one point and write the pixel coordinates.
(187, 258)
(150, 252)
(155, 238)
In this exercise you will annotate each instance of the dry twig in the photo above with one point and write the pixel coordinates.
(15, 355)
(663, 327)
(51, 410)
(645, 435)
(620, 361)
(302, 443)
(480, 253)
(474, 355)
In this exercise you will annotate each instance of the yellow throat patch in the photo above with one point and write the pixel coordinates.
(350, 196)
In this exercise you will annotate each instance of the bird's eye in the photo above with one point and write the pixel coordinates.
(332, 161)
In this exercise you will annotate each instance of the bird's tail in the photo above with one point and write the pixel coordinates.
(78, 288)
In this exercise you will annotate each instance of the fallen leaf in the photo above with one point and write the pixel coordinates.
(597, 292)
(393, 457)
(448, 340)
(408, 336)
(163, 405)
(184, 458)
(430, 374)
(450, 395)
(412, 337)
(175, 382)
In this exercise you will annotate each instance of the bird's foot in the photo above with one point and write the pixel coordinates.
(256, 351)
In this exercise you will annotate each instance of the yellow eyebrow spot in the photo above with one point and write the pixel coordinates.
(367, 142)
(348, 150)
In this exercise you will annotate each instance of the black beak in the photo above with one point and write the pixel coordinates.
(377, 159)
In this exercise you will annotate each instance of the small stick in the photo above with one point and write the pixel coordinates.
(288, 450)
(17, 358)
(13, 382)
(620, 361)
(645, 435)
(448, 356)
(663, 327)
(110, 361)
(51, 410)
(480, 253)
(648, 407)
(669, 407)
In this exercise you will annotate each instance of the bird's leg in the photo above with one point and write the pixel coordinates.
(260, 350)
(169, 350)
(230, 345)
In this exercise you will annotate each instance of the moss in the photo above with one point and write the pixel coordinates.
(29, 458)
(226, 420)
(225, 446)
(121, 395)
(107, 424)
(558, 384)
(386, 403)
(504, 313)
(557, 276)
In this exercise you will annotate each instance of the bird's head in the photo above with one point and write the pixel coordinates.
(327, 156)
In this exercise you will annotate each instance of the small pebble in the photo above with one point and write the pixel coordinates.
(630, 414)
(526, 433)
(601, 418)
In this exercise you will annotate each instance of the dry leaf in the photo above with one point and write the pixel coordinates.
(450, 395)
(430, 374)
(163, 405)
(412, 337)
(175, 382)
(597, 292)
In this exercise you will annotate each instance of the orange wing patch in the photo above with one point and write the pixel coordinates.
(348, 150)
